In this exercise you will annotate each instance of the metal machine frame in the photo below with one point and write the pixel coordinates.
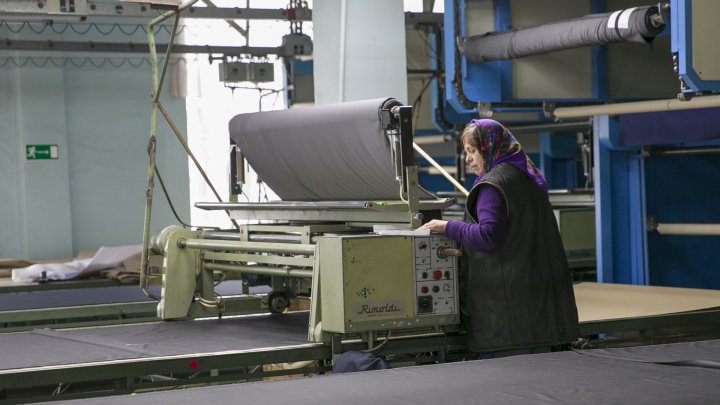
(313, 241)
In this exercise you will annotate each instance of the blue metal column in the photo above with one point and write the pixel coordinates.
(619, 207)
(480, 81)
(557, 160)
(502, 23)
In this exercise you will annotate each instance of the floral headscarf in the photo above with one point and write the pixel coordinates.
(498, 145)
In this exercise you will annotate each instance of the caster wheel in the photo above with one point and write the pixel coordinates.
(278, 302)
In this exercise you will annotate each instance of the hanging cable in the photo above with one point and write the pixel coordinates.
(182, 141)
(105, 29)
(381, 345)
(172, 207)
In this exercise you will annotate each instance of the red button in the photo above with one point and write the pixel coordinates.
(437, 274)
(424, 290)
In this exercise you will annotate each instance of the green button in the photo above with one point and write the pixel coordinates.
(436, 289)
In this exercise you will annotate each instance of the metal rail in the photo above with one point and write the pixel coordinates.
(442, 171)
(688, 229)
(20, 10)
(637, 107)
(219, 244)
(264, 270)
(131, 47)
(650, 152)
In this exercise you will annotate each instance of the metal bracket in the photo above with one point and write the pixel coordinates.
(485, 109)
(549, 109)
(651, 223)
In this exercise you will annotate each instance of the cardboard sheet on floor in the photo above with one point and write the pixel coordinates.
(598, 301)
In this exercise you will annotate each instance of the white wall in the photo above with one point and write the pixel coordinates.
(359, 50)
(99, 116)
(34, 195)
(211, 104)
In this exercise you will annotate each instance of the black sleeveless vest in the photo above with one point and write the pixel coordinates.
(520, 296)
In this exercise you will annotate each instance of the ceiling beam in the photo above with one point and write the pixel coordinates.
(18, 9)
(129, 47)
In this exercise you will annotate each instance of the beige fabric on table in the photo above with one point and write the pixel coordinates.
(128, 273)
(105, 258)
(598, 301)
(6, 266)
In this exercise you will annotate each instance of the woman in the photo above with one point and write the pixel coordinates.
(517, 294)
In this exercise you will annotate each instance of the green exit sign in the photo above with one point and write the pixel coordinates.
(41, 152)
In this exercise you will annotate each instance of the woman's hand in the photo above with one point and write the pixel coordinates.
(435, 226)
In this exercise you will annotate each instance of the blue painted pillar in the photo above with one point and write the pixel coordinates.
(502, 23)
(619, 207)
(557, 160)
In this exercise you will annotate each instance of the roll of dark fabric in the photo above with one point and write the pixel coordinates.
(335, 152)
(641, 25)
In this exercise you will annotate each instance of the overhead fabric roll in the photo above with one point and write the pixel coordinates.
(336, 152)
(637, 24)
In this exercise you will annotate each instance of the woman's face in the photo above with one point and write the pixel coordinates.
(474, 159)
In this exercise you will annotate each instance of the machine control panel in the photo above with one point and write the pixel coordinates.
(382, 282)
(435, 275)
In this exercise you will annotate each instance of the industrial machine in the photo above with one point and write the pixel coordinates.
(356, 255)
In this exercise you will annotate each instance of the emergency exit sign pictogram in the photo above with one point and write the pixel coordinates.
(41, 152)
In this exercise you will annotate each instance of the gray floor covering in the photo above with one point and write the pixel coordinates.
(688, 375)
(48, 347)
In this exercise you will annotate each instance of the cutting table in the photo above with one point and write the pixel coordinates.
(681, 373)
(121, 359)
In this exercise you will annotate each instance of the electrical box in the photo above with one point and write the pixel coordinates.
(255, 72)
(70, 7)
(694, 44)
(577, 230)
(377, 282)
(297, 44)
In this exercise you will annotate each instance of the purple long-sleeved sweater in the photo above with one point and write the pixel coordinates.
(490, 232)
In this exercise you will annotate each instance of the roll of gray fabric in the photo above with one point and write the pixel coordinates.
(336, 152)
(637, 24)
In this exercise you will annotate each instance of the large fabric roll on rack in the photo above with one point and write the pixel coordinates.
(337, 152)
(637, 24)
